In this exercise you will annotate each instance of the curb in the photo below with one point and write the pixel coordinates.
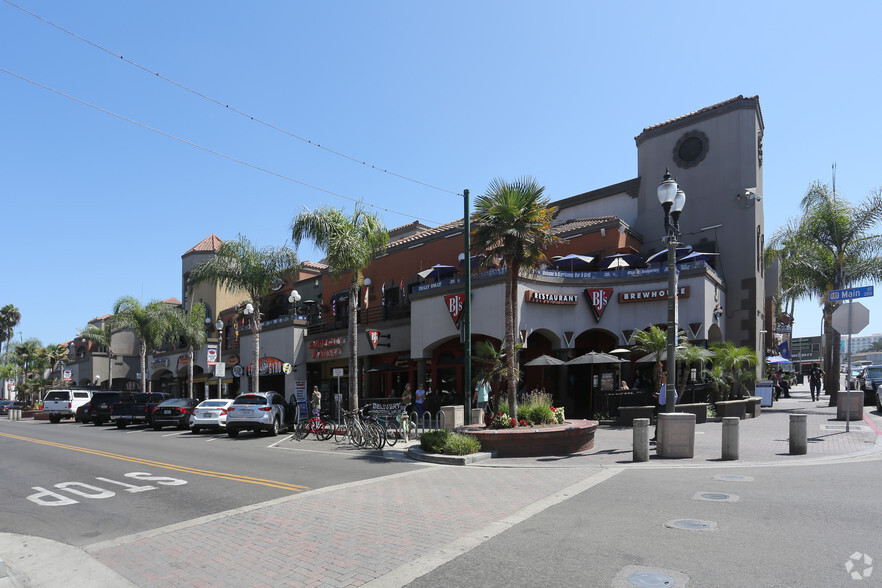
(420, 455)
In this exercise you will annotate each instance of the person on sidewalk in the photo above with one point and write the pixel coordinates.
(316, 400)
(420, 400)
(816, 375)
(662, 397)
(406, 397)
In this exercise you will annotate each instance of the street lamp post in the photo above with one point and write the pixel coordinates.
(672, 199)
(219, 325)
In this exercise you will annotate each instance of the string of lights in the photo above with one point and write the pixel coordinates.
(231, 108)
(213, 151)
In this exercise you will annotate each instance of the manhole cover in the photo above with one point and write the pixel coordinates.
(733, 478)
(715, 497)
(650, 579)
(692, 525)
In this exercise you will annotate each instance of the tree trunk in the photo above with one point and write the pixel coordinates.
(109, 368)
(831, 373)
(510, 321)
(190, 372)
(353, 345)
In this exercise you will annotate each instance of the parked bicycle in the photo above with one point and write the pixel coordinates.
(358, 431)
(322, 427)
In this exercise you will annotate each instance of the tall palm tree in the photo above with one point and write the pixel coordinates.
(55, 354)
(146, 322)
(240, 265)
(513, 223)
(9, 319)
(188, 327)
(832, 246)
(103, 337)
(350, 244)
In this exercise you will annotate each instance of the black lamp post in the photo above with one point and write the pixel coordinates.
(672, 199)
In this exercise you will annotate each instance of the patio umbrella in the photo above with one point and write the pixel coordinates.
(571, 261)
(777, 359)
(617, 260)
(476, 260)
(437, 271)
(698, 256)
(662, 255)
(542, 361)
(618, 263)
(621, 350)
(593, 357)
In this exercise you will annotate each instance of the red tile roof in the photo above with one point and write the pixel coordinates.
(708, 111)
(210, 243)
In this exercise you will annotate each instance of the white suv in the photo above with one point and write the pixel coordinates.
(257, 411)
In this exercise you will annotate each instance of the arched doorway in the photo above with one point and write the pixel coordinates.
(585, 381)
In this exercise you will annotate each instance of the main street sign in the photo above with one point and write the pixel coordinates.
(850, 293)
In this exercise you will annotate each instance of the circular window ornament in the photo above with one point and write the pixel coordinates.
(691, 149)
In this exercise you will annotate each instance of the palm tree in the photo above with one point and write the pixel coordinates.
(9, 319)
(493, 365)
(55, 354)
(876, 345)
(737, 363)
(513, 223)
(189, 328)
(146, 322)
(239, 265)
(350, 244)
(103, 337)
(831, 247)
(654, 341)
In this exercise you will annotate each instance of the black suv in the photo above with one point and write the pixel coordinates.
(101, 405)
(870, 380)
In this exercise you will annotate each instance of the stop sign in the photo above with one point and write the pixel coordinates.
(860, 318)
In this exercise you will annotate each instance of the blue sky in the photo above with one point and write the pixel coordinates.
(450, 94)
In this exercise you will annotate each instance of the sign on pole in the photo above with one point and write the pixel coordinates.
(850, 293)
(851, 318)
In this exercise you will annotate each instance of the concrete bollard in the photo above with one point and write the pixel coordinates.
(641, 439)
(730, 438)
(477, 416)
(798, 434)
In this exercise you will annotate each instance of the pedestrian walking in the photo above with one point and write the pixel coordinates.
(481, 394)
(816, 375)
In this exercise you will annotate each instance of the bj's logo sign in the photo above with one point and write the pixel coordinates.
(455, 304)
(598, 299)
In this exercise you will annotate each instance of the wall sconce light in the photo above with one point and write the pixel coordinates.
(748, 197)
(603, 232)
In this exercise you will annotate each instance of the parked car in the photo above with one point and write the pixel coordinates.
(210, 414)
(63, 404)
(82, 415)
(173, 412)
(6, 405)
(257, 411)
(100, 405)
(136, 407)
(870, 380)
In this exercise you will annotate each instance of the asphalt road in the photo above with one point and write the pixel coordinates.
(80, 484)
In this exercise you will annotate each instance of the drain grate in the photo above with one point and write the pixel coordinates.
(692, 525)
(842, 428)
(650, 579)
(733, 478)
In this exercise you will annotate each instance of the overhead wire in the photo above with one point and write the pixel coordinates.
(233, 109)
(213, 151)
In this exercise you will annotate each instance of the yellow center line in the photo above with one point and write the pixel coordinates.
(169, 466)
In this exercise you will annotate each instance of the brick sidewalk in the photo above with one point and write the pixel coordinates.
(339, 537)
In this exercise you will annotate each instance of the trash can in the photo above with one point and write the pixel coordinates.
(799, 379)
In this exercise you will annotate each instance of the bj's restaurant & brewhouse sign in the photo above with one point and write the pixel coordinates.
(650, 295)
(550, 297)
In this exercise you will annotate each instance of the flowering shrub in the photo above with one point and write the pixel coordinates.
(523, 423)
(558, 415)
(501, 421)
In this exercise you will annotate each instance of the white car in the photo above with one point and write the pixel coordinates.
(210, 414)
(257, 411)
